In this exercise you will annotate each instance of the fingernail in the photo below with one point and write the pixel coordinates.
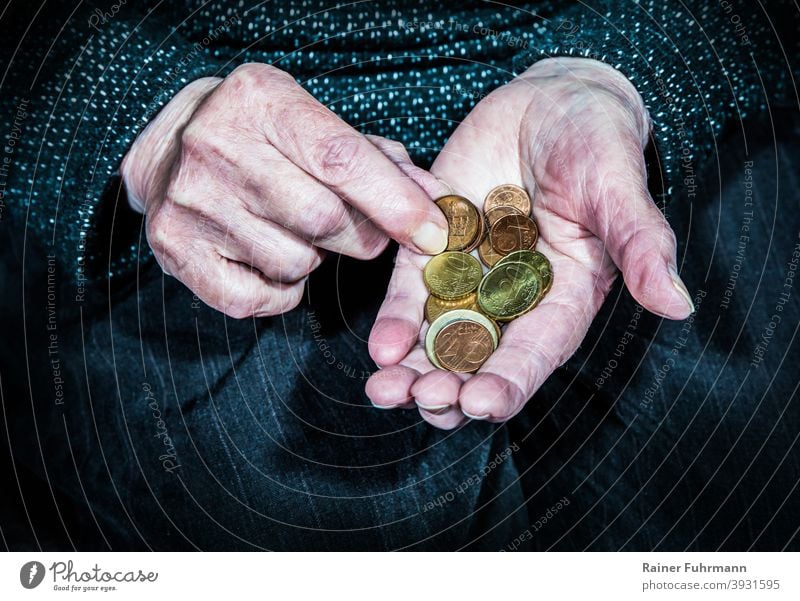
(385, 407)
(434, 408)
(485, 416)
(681, 287)
(430, 238)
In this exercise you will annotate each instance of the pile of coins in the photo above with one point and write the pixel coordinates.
(466, 306)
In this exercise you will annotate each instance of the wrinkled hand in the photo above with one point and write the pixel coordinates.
(246, 181)
(574, 131)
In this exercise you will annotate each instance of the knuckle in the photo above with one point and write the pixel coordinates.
(276, 303)
(160, 230)
(179, 198)
(239, 304)
(238, 309)
(293, 270)
(372, 247)
(339, 159)
(294, 296)
(203, 143)
(257, 75)
(324, 219)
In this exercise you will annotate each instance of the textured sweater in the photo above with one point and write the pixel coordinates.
(79, 84)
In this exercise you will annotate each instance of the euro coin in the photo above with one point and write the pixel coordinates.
(455, 316)
(463, 221)
(535, 259)
(509, 290)
(487, 254)
(492, 215)
(513, 232)
(483, 229)
(434, 307)
(508, 195)
(452, 275)
(462, 346)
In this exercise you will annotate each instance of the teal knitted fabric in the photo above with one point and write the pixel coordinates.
(79, 84)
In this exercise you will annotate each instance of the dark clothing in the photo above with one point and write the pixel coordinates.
(83, 83)
(655, 435)
(138, 418)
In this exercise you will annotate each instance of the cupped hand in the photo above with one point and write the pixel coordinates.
(247, 181)
(573, 132)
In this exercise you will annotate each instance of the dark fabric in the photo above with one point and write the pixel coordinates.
(278, 447)
(81, 83)
(684, 435)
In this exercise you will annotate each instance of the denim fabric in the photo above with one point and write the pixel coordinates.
(181, 429)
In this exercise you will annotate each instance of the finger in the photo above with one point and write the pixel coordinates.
(285, 194)
(236, 289)
(436, 390)
(637, 235)
(534, 345)
(316, 140)
(276, 252)
(390, 387)
(234, 233)
(444, 420)
(397, 326)
(436, 396)
(644, 248)
(397, 153)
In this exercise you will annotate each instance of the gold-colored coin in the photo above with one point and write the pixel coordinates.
(493, 214)
(496, 328)
(535, 259)
(509, 290)
(487, 254)
(452, 275)
(513, 232)
(451, 317)
(508, 195)
(434, 307)
(463, 221)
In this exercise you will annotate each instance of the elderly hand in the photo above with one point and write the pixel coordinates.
(246, 181)
(573, 131)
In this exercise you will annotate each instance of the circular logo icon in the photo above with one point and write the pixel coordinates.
(31, 574)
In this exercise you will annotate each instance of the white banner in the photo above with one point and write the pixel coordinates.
(400, 577)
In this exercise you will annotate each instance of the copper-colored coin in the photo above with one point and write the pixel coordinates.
(463, 220)
(487, 254)
(451, 317)
(463, 346)
(434, 307)
(483, 229)
(513, 232)
(492, 215)
(508, 195)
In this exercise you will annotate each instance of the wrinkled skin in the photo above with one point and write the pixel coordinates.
(574, 131)
(246, 182)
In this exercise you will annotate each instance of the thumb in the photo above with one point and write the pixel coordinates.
(643, 246)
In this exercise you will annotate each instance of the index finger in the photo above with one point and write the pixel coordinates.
(324, 146)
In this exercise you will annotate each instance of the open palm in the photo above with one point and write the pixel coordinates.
(572, 132)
